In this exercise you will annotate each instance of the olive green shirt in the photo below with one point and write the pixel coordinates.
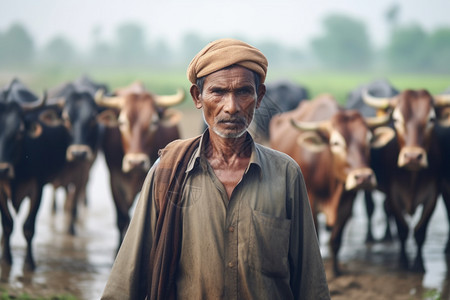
(259, 244)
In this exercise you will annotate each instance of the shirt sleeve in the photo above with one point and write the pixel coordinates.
(308, 279)
(128, 278)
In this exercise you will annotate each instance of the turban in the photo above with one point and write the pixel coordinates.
(223, 53)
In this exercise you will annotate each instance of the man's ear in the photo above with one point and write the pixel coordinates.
(260, 94)
(195, 93)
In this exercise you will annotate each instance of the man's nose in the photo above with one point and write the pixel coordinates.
(231, 105)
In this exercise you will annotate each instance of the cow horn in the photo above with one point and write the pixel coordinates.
(442, 100)
(111, 102)
(35, 104)
(309, 126)
(374, 122)
(170, 100)
(380, 103)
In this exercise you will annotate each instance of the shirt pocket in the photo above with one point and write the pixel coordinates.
(269, 244)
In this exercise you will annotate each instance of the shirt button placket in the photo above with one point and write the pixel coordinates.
(231, 262)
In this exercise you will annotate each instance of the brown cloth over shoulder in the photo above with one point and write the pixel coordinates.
(223, 53)
(169, 182)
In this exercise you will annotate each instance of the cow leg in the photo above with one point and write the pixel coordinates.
(446, 198)
(370, 208)
(7, 225)
(344, 213)
(122, 211)
(420, 233)
(403, 230)
(54, 206)
(313, 205)
(388, 213)
(29, 226)
(70, 208)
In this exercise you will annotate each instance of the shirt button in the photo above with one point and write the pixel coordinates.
(230, 264)
(231, 229)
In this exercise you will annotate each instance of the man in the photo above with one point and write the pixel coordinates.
(220, 217)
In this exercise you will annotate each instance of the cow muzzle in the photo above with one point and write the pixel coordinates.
(6, 170)
(79, 152)
(413, 158)
(363, 178)
(135, 161)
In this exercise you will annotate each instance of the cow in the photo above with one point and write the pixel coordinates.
(443, 134)
(378, 88)
(79, 112)
(138, 124)
(409, 168)
(33, 144)
(332, 147)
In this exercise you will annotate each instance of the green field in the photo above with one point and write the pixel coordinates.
(338, 84)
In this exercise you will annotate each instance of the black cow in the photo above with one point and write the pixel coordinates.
(409, 169)
(376, 88)
(443, 134)
(33, 145)
(79, 113)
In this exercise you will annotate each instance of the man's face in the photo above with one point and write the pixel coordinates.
(229, 100)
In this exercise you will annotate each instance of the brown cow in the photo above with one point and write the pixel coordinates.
(409, 169)
(138, 126)
(332, 148)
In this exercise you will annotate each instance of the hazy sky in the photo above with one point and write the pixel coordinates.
(293, 22)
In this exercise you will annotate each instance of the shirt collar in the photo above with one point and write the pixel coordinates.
(255, 159)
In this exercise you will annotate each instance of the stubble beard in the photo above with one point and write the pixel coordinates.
(229, 135)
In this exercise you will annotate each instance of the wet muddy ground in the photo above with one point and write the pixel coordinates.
(79, 265)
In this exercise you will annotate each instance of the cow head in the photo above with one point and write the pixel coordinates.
(18, 120)
(80, 118)
(348, 136)
(414, 117)
(141, 116)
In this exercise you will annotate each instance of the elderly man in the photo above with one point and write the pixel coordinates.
(220, 217)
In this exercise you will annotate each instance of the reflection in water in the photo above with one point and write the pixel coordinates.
(65, 264)
(80, 265)
(357, 257)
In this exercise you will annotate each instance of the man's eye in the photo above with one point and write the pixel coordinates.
(218, 91)
(244, 91)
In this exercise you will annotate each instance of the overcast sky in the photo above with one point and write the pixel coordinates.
(293, 22)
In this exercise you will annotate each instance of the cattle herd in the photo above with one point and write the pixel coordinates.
(394, 142)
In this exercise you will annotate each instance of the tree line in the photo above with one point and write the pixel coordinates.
(345, 44)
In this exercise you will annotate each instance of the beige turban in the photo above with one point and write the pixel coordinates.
(223, 53)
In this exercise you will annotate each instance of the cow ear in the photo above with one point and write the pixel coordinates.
(50, 118)
(171, 117)
(312, 141)
(108, 118)
(382, 136)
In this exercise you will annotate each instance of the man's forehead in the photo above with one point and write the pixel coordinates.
(235, 75)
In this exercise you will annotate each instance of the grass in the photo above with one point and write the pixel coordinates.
(6, 296)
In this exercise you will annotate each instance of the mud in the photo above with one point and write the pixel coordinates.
(79, 265)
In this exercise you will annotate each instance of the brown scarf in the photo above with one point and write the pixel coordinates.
(169, 183)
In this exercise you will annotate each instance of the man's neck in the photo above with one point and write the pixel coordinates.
(227, 150)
